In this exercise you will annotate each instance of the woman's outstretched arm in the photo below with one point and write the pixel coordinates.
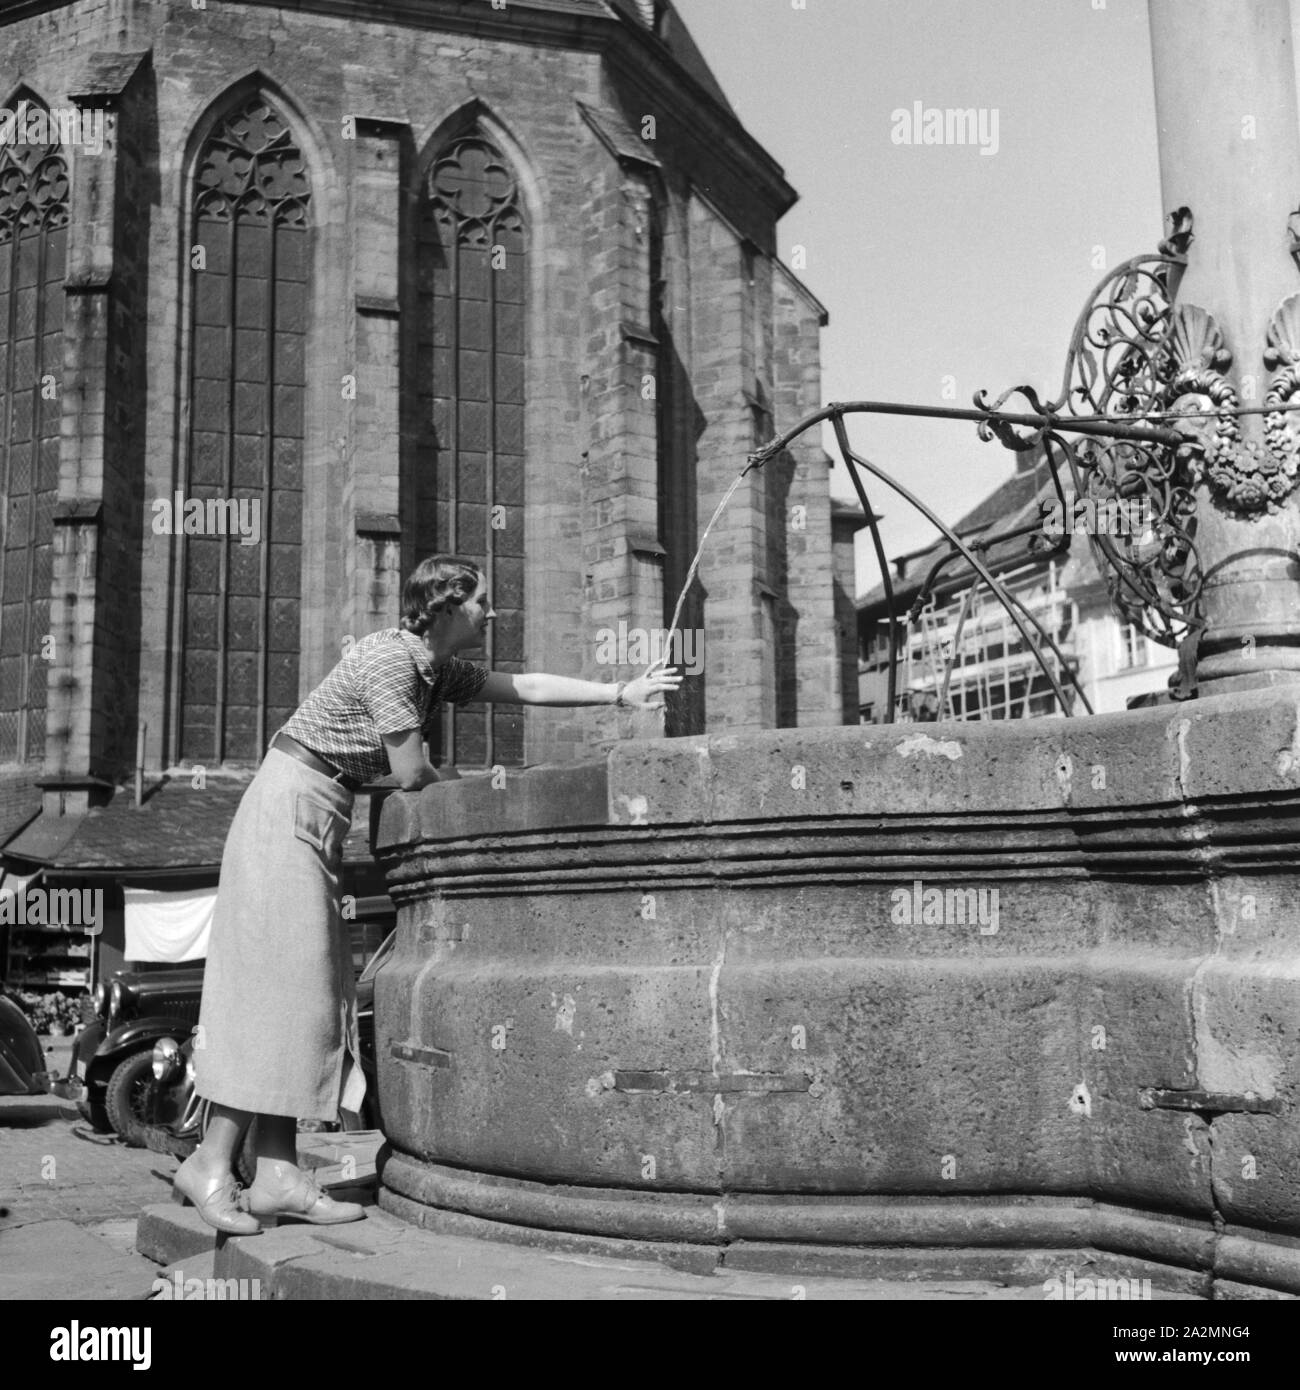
(542, 688)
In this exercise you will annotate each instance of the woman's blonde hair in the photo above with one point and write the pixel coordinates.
(433, 586)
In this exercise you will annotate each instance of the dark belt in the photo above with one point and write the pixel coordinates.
(294, 749)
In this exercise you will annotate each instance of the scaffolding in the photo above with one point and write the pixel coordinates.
(966, 659)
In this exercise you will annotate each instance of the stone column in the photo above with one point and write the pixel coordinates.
(1226, 106)
(93, 701)
(82, 464)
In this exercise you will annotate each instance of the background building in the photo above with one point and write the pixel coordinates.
(360, 283)
(994, 675)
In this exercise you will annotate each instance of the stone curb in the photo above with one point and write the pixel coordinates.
(386, 1258)
(170, 1234)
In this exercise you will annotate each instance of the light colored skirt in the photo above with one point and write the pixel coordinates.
(278, 1020)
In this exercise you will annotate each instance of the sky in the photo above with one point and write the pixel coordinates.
(945, 270)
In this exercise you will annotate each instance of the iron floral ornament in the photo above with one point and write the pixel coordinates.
(1249, 476)
(1116, 385)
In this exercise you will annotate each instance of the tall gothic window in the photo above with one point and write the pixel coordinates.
(33, 252)
(239, 678)
(470, 456)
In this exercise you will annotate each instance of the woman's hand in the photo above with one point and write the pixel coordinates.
(657, 680)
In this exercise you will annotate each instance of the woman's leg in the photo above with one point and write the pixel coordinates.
(277, 1139)
(207, 1179)
(282, 1189)
(225, 1133)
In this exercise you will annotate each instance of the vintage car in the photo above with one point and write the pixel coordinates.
(115, 1051)
(22, 1063)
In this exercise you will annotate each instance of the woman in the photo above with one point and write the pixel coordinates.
(277, 1030)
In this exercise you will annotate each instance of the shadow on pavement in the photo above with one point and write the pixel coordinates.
(17, 1115)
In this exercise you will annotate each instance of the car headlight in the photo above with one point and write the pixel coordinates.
(115, 994)
(101, 999)
(166, 1055)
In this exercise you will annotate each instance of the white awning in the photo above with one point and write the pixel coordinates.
(14, 885)
(168, 927)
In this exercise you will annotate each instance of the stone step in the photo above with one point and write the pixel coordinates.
(174, 1235)
(383, 1257)
(192, 1267)
(169, 1233)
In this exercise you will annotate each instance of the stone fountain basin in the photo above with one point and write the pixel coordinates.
(677, 994)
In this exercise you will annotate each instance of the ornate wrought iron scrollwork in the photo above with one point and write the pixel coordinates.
(1137, 356)
(1120, 368)
(1136, 363)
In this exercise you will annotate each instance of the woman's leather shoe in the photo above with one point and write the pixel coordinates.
(216, 1199)
(296, 1196)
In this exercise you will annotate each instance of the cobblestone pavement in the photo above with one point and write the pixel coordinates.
(55, 1171)
(54, 1167)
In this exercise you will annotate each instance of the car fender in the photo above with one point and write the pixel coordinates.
(135, 1036)
(87, 1041)
(21, 1059)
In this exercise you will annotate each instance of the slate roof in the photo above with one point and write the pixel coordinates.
(178, 828)
(105, 74)
(676, 38)
(673, 33)
(14, 823)
(1011, 504)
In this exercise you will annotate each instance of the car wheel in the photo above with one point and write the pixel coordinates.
(93, 1112)
(127, 1098)
(160, 1140)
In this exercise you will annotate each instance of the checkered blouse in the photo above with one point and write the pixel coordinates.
(384, 685)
